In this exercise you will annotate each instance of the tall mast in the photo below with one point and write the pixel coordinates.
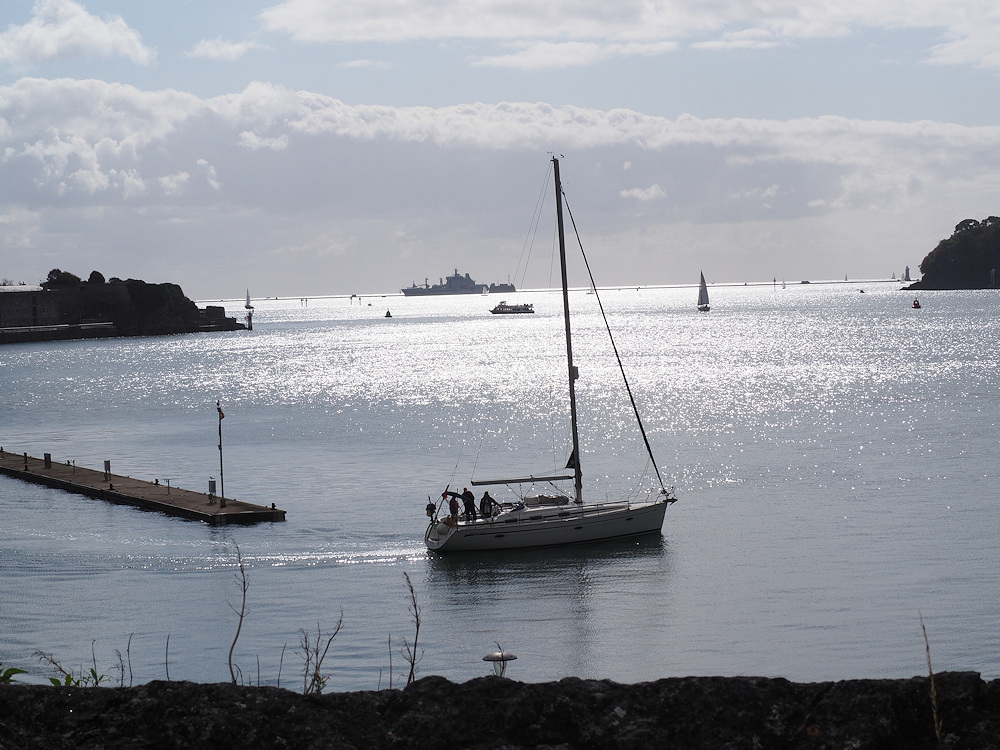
(573, 372)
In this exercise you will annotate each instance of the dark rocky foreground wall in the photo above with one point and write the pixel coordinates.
(492, 712)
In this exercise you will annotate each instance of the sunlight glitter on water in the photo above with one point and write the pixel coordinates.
(833, 452)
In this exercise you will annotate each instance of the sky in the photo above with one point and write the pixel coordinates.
(318, 147)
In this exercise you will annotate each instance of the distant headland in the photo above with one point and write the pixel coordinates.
(969, 259)
(64, 306)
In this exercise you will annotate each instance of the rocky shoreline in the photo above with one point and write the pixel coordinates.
(493, 712)
(67, 308)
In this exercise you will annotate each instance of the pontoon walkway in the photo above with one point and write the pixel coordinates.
(125, 490)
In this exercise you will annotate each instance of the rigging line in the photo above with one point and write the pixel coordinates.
(642, 476)
(454, 471)
(529, 240)
(628, 388)
(475, 464)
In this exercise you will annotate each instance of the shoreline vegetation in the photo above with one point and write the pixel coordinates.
(496, 712)
(969, 259)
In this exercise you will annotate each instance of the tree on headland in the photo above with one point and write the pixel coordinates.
(96, 277)
(969, 259)
(60, 278)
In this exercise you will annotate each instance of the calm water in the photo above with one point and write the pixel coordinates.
(834, 454)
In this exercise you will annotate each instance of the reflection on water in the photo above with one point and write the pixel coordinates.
(579, 596)
(567, 563)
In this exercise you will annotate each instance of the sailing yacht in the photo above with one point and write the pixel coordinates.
(249, 309)
(703, 294)
(542, 520)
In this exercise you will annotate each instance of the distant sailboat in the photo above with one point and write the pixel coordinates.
(703, 295)
(249, 309)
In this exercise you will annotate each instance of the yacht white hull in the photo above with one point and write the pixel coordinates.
(545, 526)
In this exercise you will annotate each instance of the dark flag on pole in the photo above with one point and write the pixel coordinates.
(571, 464)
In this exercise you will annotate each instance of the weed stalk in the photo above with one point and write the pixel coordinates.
(934, 696)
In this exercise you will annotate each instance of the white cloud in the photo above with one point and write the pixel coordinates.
(971, 43)
(567, 32)
(210, 174)
(132, 184)
(61, 29)
(763, 196)
(19, 227)
(401, 20)
(743, 39)
(550, 55)
(70, 135)
(254, 142)
(653, 192)
(223, 50)
(373, 64)
(267, 168)
(76, 132)
(174, 184)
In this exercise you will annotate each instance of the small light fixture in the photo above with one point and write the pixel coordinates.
(500, 659)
